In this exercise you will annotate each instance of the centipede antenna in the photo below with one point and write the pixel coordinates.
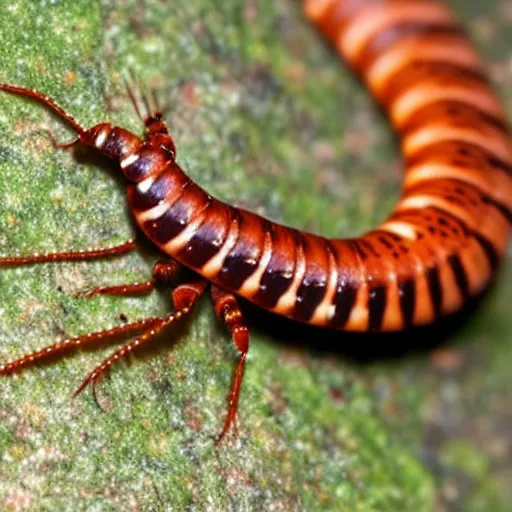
(139, 97)
(156, 100)
(128, 83)
(147, 105)
(145, 100)
(46, 101)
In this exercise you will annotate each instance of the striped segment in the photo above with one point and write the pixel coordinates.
(449, 230)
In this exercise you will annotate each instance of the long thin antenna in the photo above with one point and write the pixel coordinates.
(45, 100)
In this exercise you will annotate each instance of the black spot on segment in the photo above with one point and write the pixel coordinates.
(496, 163)
(435, 290)
(200, 249)
(309, 295)
(169, 225)
(236, 269)
(369, 247)
(377, 301)
(114, 144)
(344, 301)
(407, 295)
(358, 249)
(148, 163)
(436, 72)
(313, 286)
(461, 277)
(170, 181)
(202, 246)
(280, 271)
(273, 285)
(385, 242)
(242, 261)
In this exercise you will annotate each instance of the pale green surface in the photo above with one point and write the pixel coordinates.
(264, 117)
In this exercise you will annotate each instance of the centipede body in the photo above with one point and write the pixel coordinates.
(439, 247)
(445, 237)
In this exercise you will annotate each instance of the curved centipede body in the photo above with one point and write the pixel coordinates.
(445, 237)
(440, 246)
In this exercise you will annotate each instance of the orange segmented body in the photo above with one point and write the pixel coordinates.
(445, 237)
(439, 247)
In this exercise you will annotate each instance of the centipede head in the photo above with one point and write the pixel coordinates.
(113, 141)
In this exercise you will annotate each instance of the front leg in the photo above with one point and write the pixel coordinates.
(184, 296)
(165, 273)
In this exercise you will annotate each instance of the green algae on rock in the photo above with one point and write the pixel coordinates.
(251, 92)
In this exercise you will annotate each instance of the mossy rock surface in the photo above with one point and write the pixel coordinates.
(264, 117)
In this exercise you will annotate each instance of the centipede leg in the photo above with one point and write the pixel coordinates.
(227, 309)
(164, 273)
(184, 297)
(83, 255)
(76, 342)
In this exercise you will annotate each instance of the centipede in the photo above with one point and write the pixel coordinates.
(439, 247)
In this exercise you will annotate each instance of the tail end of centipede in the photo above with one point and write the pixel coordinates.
(46, 101)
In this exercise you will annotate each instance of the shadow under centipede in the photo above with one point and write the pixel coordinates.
(357, 348)
(87, 157)
(360, 348)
